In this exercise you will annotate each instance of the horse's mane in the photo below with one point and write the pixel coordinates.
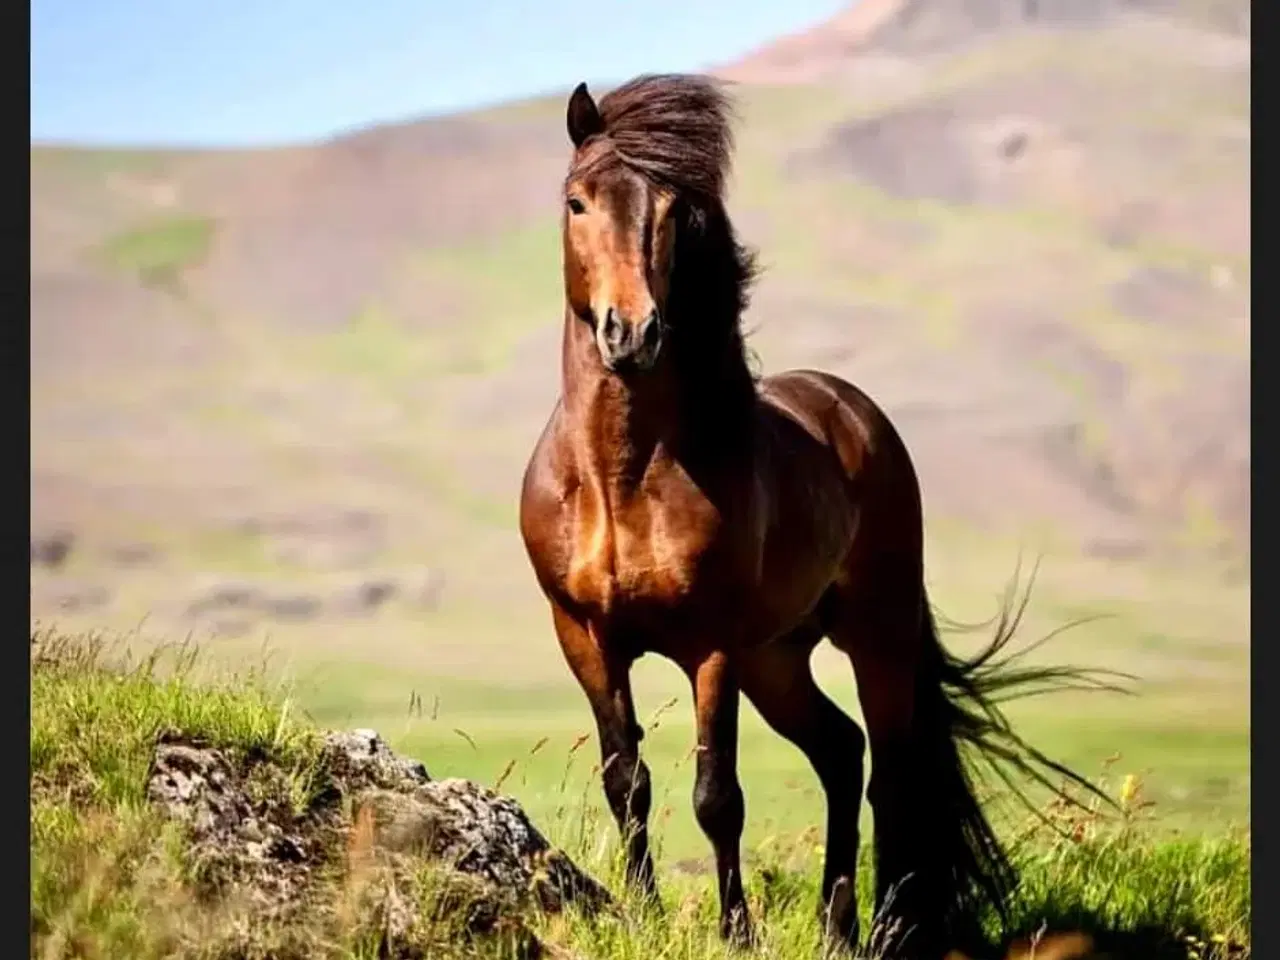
(676, 131)
(673, 129)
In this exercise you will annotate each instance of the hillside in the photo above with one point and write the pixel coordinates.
(1025, 232)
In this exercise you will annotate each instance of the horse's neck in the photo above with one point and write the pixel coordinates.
(622, 437)
(616, 432)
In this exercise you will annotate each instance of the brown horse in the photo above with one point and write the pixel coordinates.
(675, 504)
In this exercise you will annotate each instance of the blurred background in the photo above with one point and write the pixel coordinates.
(296, 306)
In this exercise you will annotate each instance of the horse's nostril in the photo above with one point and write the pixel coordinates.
(651, 330)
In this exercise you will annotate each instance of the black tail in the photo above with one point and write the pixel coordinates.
(958, 722)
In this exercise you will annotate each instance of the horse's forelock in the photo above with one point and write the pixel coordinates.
(673, 129)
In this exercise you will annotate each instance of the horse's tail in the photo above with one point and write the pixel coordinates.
(958, 722)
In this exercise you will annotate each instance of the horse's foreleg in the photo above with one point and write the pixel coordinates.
(717, 795)
(607, 684)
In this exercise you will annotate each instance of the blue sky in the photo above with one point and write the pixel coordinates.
(255, 72)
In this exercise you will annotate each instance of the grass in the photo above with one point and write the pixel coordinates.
(159, 252)
(371, 346)
(94, 722)
(509, 285)
(112, 877)
(1197, 769)
(485, 662)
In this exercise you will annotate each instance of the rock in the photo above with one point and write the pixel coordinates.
(366, 596)
(68, 596)
(363, 597)
(51, 549)
(242, 827)
(224, 597)
(133, 554)
(463, 824)
(249, 599)
(483, 834)
(241, 601)
(365, 804)
(230, 628)
(292, 606)
(361, 759)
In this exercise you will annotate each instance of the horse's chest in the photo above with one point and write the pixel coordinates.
(649, 555)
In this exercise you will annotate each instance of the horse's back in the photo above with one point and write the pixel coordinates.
(846, 467)
(840, 415)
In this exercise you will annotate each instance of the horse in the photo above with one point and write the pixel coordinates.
(678, 504)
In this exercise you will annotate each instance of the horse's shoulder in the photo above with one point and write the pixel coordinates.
(549, 477)
(832, 411)
(809, 392)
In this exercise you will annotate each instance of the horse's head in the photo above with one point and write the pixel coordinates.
(618, 241)
(651, 266)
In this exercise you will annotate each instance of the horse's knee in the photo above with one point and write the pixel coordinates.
(718, 803)
(627, 787)
(836, 749)
(898, 764)
(891, 791)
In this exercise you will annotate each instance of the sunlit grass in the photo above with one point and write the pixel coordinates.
(109, 875)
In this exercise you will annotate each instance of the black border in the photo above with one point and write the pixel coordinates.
(17, 406)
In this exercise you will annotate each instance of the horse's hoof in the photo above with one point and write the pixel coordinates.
(738, 932)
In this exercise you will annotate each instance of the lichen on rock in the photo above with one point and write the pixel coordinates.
(477, 832)
(271, 834)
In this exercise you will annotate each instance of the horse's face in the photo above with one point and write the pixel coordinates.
(618, 242)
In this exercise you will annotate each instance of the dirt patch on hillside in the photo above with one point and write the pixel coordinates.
(1039, 137)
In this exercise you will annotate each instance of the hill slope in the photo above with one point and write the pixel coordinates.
(1028, 236)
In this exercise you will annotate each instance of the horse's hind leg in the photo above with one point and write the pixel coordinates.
(879, 629)
(778, 680)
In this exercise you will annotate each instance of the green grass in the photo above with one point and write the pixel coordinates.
(159, 252)
(487, 660)
(371, 346)
(1197, 769)
(1186, 728)
(93, 727)
(111, 877)
(509, 286)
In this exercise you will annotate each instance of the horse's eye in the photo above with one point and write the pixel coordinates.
(576, 207)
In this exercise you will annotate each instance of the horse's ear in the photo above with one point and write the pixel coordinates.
(584, 118)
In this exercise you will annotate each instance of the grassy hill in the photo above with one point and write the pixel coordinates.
(114, 876)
